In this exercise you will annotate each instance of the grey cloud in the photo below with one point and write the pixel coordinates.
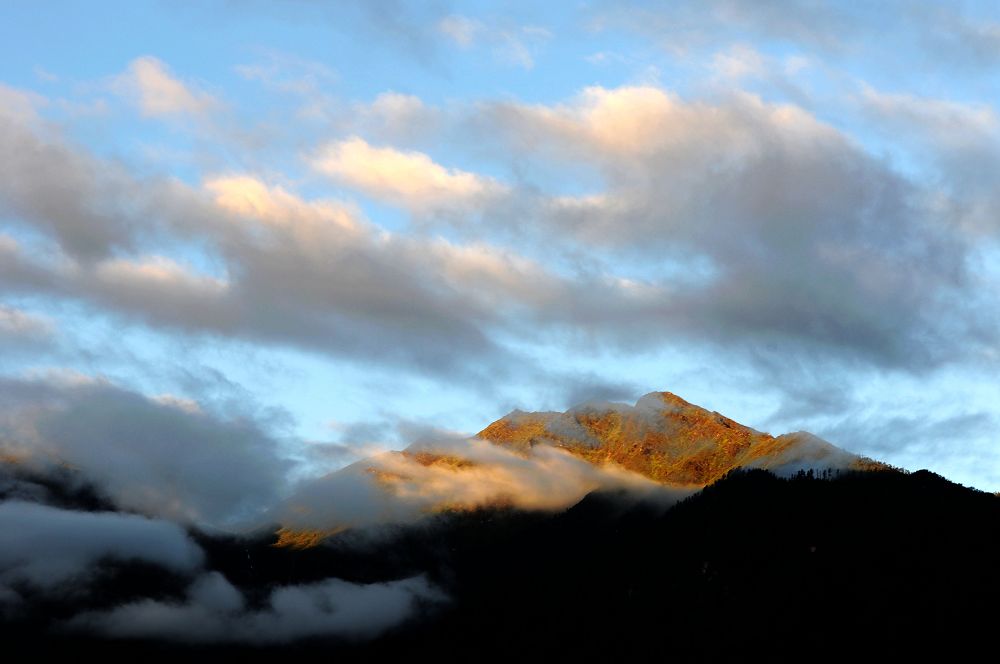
(25, 479)
(332, 455)
(806, 242)
(368, 432)
(684, 25)
(87, 208)
(158, 456)
(393, 118)
(795, 239)
(934, 41)
(351, 295)
(954, 444)
(20, 329)
(215, 612)
(402, 487)
(808, 390)
(348, 497)
(955, 35)
(20, 273)
(928, 432)
(593, 388)
(79, 200)
(957, 144)
(816, 24)
(399, 25)
(21, 489)
(46, 547)
(359, 440)
(384, 303)
(298, 278)
(403, 24)
(386, 430)
(779, 236)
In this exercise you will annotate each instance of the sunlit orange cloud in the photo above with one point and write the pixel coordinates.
(158, 272)
(458, 474)
(409, 179)
(247, 196)
(642, 120)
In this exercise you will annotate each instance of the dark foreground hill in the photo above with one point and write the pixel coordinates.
(863, 565)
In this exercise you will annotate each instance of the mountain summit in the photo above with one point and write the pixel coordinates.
(662, 445)
(668, 440)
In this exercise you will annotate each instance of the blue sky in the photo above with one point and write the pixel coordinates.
(349, 222)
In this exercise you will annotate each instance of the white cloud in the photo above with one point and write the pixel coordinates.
(410, 179)
(18, 324)
(519, 46)
(215, 612)
(460, 29)
(288, 73)
(158, 93)
(511, 44)
(398, 487)
(47, 547)
(738, 62)
(19, 105)
(954, 145)
(250, 198)
(939, 122)
(934, 120)
(645, 120)
(399, 117)
(778, 204)
(156, 455)
(88, 206)
(157, 273)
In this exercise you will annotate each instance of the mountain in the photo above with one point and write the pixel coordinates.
(669, 440)
(538, 546)
(549, 460)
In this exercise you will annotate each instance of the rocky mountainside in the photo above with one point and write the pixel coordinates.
(551, 460)
(669, 440)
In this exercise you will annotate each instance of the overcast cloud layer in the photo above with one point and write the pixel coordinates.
(275, 246)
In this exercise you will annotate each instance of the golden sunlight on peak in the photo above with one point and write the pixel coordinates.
(301, 539)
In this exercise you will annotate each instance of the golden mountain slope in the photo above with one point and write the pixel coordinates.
(662, 437)
(667, 439)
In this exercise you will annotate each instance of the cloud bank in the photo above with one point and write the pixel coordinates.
(215, 612)
(161, 456)
(46, 548)
(456, 473)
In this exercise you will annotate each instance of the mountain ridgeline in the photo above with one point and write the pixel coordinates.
(550, 461)
(669, 440)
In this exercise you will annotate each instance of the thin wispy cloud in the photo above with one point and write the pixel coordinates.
(157, 92)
